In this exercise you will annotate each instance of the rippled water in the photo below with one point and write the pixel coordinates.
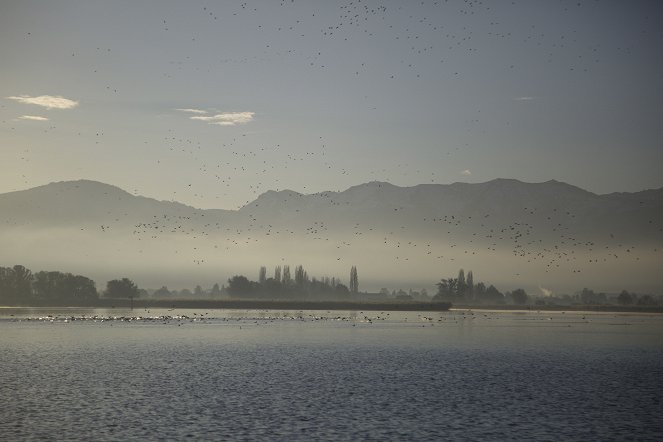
(246, 375)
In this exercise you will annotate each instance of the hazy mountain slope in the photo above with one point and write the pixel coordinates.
(503, 200)
(85, 202)
(535, 233)
(475, 208)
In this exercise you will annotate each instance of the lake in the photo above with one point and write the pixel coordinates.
(103, 374)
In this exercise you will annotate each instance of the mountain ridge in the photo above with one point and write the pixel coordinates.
(69, 201)
(505, 228)
(503, 183)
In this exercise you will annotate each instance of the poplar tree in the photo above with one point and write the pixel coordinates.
(300, 276)
(286, 275)
(469, 281)
(354, 280)
(462, 285)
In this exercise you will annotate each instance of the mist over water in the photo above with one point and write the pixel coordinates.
(509, 233)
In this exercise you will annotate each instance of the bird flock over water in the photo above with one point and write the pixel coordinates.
(245, 320)
(421, 34)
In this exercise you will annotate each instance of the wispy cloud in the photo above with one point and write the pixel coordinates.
(33, 118)
(227, 118)
(192, 111)
(47, 101)
(524, 98)
(466, 172)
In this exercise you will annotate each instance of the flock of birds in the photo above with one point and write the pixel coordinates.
(555, 239)
(548, 236)
(421, 35)
(241, 319)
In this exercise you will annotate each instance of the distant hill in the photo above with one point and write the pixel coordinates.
(507, 229)
(502, 201)
(83, 202)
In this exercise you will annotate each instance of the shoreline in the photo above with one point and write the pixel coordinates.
(254, 304)
(654, 309)
(391, 305)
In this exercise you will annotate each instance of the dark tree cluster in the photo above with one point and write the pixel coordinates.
(197, 293)
(19, 286)
(463, 290)
(518, 297)
(282, 286)
(121, 288)
(626, 298)
(590, 297)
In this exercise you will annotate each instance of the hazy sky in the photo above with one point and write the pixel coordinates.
(212, 103)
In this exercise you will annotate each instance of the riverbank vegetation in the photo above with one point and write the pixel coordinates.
(19, 286)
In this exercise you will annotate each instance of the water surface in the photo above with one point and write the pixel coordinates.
(85, 374)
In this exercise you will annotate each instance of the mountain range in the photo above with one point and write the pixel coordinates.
(537, 235)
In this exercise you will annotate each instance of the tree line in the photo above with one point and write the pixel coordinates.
(286, 285)
(20, 286)
(588, 296)
(463, 290)
(198, 292)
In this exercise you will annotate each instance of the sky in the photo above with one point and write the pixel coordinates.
(213, 103)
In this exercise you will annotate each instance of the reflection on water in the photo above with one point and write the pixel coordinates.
(114, 374)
